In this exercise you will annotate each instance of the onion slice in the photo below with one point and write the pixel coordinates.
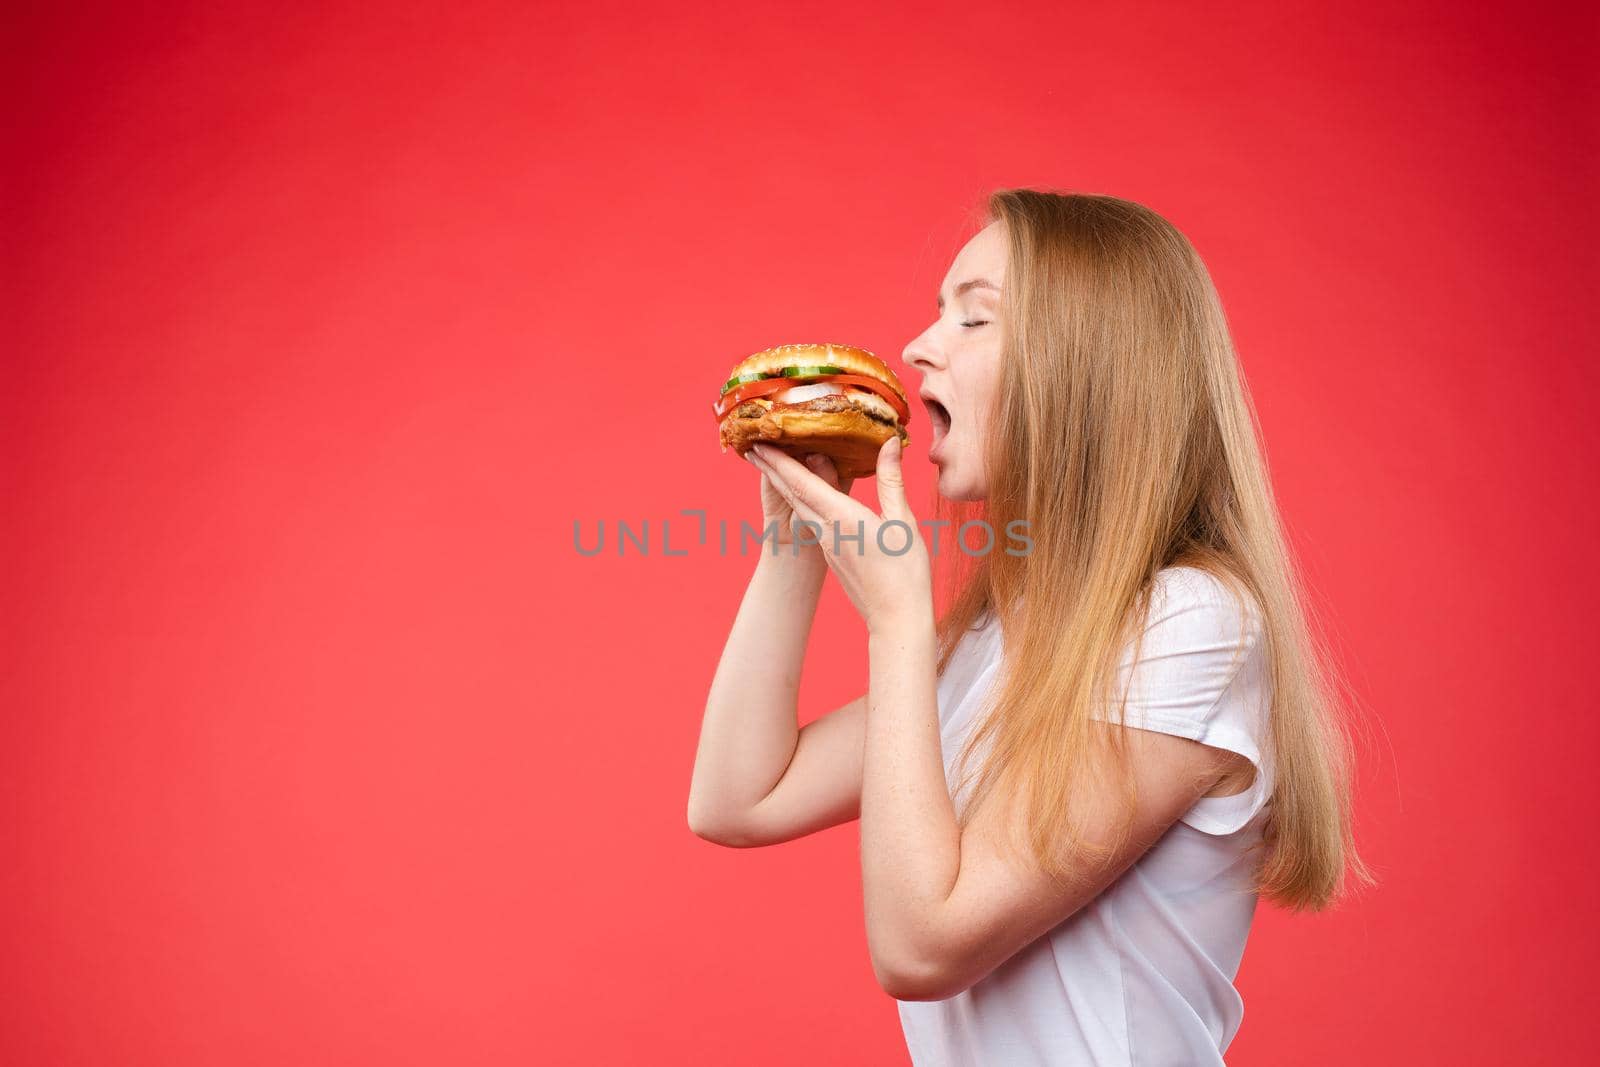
(801, 393)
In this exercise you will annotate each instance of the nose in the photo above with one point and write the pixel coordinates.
(922, 354)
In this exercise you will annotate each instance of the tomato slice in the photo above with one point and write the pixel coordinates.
(750, 390)
(734, 397)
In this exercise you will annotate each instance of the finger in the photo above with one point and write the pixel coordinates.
(808, 489)
(891, 481)
(801, 509)
(761, 472)
(822, 466)
(828, 471)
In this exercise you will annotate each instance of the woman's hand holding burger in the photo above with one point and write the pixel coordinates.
(879, 559)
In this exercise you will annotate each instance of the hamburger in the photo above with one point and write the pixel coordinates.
(840, 401)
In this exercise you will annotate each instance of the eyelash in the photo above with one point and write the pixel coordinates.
(976, 322)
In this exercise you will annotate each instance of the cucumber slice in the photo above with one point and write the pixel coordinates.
(740, 379)
(787, 372)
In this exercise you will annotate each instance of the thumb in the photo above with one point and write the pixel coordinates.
(891, 481)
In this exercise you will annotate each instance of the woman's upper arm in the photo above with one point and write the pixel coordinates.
(820, 788)
(1001, 902)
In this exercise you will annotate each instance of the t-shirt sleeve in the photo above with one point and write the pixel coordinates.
(1199, 675)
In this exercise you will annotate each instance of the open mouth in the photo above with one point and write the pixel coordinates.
(939, 417)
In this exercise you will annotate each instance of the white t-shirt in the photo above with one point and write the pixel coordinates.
(1142, 975)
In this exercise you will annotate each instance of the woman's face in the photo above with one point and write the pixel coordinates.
(959, 357)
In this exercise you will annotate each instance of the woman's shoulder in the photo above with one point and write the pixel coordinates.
(1195, 583)
(1204, 597)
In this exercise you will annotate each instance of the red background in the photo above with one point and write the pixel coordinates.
(321, 742)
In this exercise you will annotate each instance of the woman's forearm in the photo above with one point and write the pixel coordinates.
(750, 726)
(910, 841)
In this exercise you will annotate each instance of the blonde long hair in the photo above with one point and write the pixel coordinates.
(1124, 434)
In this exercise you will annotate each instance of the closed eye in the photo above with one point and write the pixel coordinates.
(979, 322)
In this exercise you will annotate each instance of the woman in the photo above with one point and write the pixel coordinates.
(1073, 786)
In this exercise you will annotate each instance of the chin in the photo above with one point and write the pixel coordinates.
(952, 486)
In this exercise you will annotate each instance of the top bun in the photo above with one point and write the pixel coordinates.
(847, 358)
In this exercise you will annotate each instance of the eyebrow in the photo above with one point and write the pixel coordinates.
(975, 283)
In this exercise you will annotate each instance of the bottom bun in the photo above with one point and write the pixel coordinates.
(850, 438)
